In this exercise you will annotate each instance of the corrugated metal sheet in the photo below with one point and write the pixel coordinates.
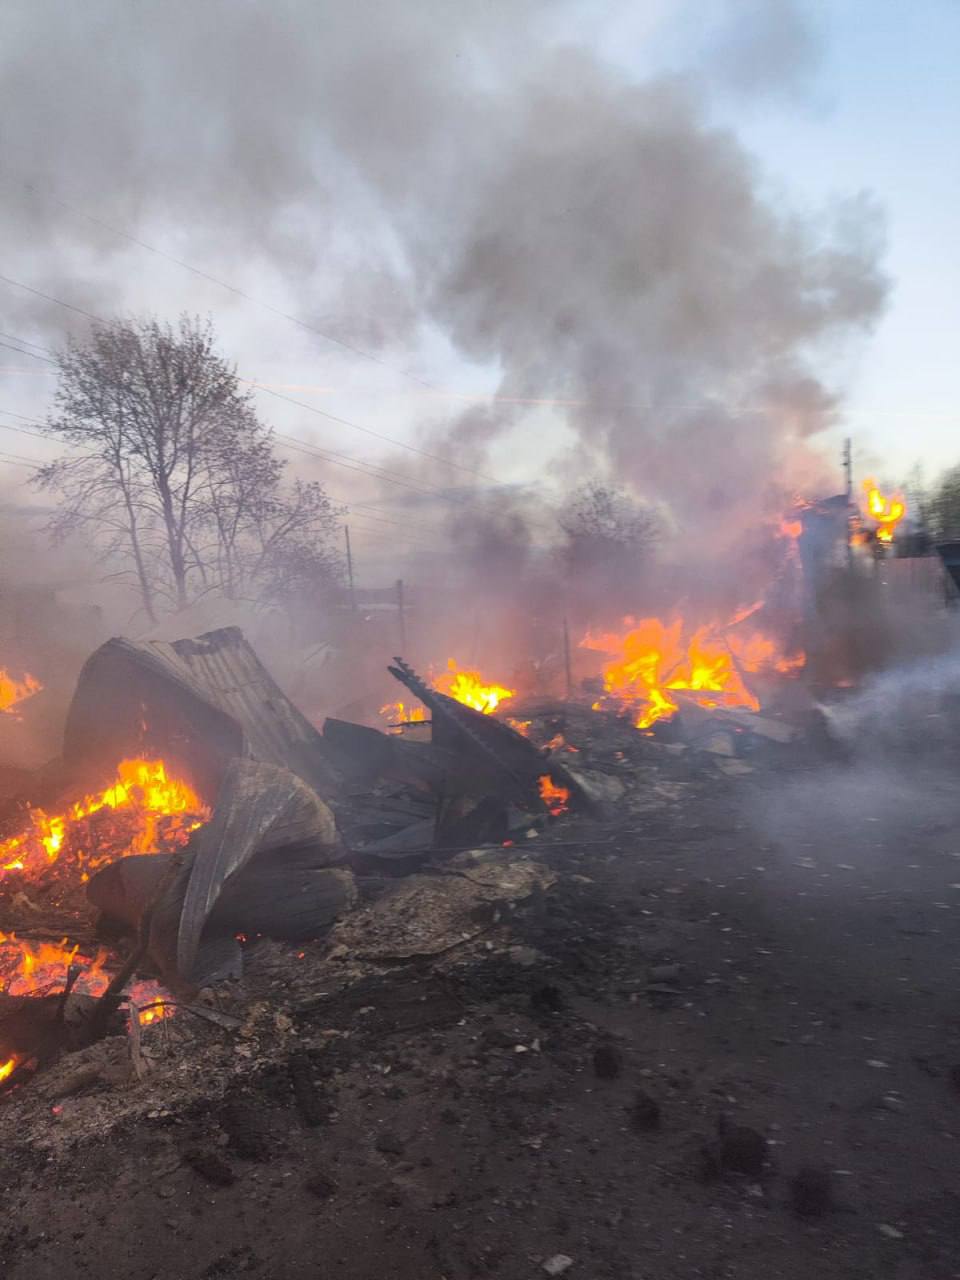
(210, 695)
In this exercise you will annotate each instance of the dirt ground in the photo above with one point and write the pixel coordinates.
(745, 947)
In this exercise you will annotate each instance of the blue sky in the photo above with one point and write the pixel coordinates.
(881, 113)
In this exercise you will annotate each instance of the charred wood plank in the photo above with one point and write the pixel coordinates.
(488, 742)
(364, 754)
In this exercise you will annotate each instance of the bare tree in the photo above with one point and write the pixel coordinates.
(173, 469)
(605, 529)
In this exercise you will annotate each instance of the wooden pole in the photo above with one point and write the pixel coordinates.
(848, 472)
(353, 589)
(567, 665)
(401, 616)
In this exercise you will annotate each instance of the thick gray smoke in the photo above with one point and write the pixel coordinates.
(472, 174)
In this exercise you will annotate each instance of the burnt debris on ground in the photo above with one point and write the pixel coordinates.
(636, 1033)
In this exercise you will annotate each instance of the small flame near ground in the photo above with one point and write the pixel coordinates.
(462, 683)
(40, 969)
(887, 512)
(14, 691)
(557, 799)
(471, 688)
(654, 659)
(399, 714)
(142, 810)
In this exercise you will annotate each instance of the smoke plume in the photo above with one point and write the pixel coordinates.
(472, 175)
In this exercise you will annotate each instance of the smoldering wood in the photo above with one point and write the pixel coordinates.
(487, 742)
(38, 1029)
(202, 702)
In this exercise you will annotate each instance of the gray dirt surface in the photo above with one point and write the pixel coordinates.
(444, 1119)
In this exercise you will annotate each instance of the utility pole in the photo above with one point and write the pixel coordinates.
(353, 589)
(848, 472)
(402, 618)
(567, 665)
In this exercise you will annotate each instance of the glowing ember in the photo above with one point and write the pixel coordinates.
(519, 726)
(40, 968)
(887, 512)
(557, 799)
(143, 810)
(469, 688)
(654, 660)
(7, 1067)
(13, 691)
(398, 713)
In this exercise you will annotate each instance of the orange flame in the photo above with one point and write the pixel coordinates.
(151, 810)
(13, 691)
(470, 688)
(656, 659)
(557, 799)
(398, 713)
(6, 1068)
(887, 512)
(40, 968)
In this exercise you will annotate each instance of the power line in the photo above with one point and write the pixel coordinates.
(18, 460)
(286, 316)
(25, 343)
(8, 426)
(346, 422)
(365, 507)
(48, 298)
(20, 352)
(240, 293)
(326, 456)
(22, 416)
(298, 403)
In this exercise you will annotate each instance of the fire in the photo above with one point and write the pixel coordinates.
(28, 968)
(398, 713)
(469, 688)
(142, 810)
(887, 512)
(13, 691)
(466, 686)
(40, 969)
(557, 799)
(655, 659)
(520, 726)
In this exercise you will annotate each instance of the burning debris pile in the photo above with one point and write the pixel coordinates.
(656, 666)
(196, 809)
(14, 691)
(195, 813)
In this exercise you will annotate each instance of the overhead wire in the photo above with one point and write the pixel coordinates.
(25, 342)
(240, 293)
(21, 352)
(294, 441)
(356, 511)
(354, 350)
(18, 460)
(346, 422)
